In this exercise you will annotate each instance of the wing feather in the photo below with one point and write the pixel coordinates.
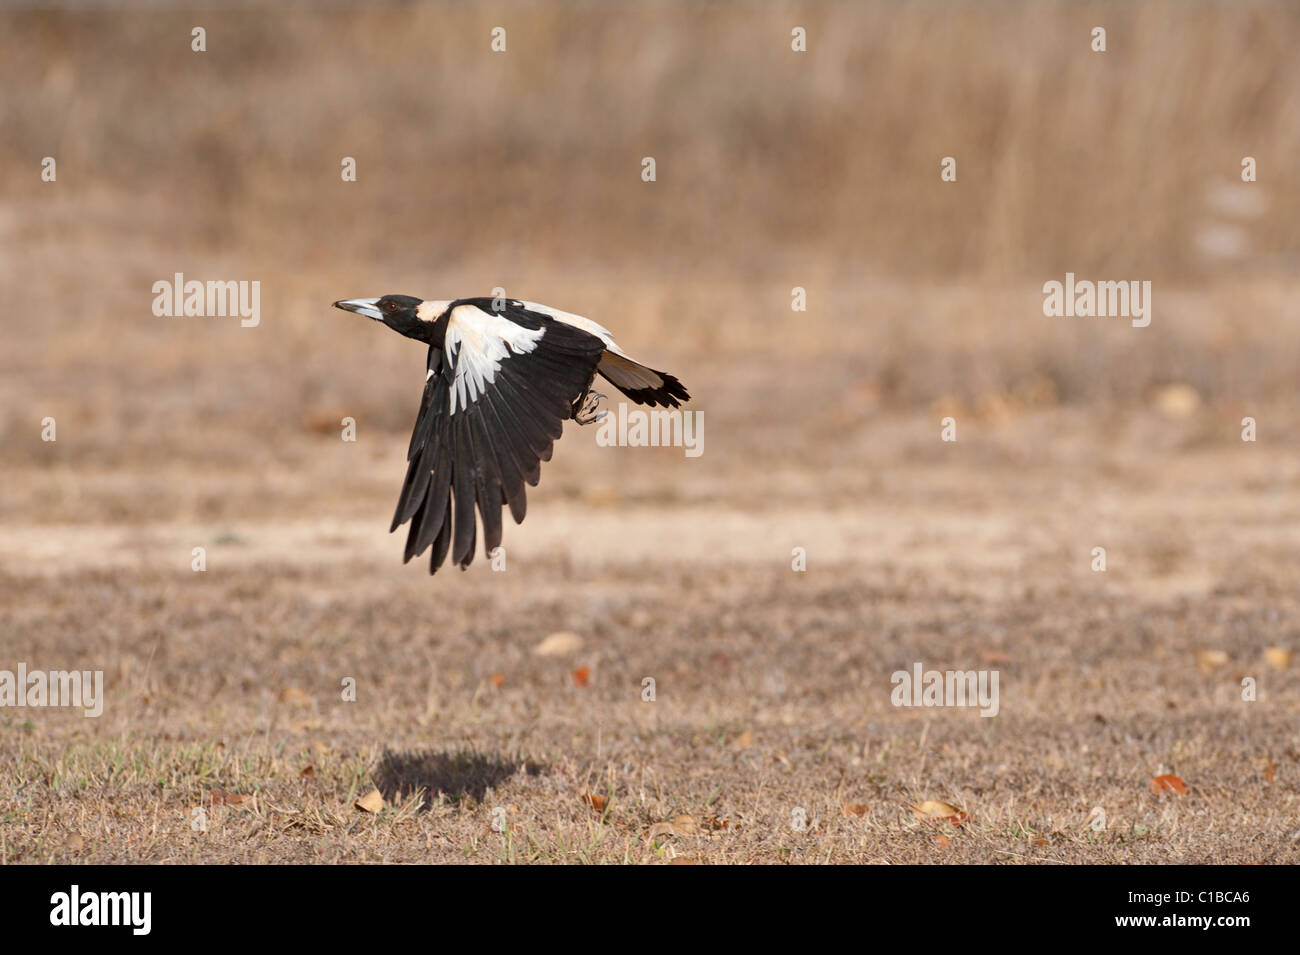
(423, 449)
(496, 397)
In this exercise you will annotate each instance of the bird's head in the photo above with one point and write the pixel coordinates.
(401, 313)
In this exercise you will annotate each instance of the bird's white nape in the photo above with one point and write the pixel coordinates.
(430, 310)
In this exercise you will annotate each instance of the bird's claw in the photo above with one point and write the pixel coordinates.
(588, 414)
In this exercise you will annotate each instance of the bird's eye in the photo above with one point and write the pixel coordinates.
(389, 306)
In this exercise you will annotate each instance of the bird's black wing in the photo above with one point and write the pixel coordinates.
(495, 399)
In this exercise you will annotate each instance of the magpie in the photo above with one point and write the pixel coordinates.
(502, 377)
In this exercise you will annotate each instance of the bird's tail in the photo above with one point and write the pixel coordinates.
(643, 385)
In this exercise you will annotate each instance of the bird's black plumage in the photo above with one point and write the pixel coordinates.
(502, 376)
(485, 453)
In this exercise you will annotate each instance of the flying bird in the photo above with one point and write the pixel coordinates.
(501, 379)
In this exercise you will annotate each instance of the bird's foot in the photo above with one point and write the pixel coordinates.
(588, 414)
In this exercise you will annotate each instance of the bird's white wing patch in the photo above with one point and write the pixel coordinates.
(577, 321)
(476, 344)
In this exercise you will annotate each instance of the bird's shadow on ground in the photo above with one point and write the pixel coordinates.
(455, 775)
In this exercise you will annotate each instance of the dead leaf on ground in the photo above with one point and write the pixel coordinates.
(294, 696)
(498, 680)
(682, 860)
(558, 644)
(597, 803)
(1177, 400)
(685, 825)
(1270, 773)
(942, 840)
(1279, 658)
(222, 798)
(372, 801)
(74, 842)
(933, 811)
(601, 496)
(1207, 661)
(857, 809)
(744, 741)
(323, 422)
(1168, 783)
(308, 772)
(581, 676)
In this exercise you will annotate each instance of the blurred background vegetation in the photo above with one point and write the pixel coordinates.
(775, 169)
(1067, 159)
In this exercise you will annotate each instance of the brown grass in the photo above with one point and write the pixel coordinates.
(682, 573)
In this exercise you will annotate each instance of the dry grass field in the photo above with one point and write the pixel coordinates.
(772, 738)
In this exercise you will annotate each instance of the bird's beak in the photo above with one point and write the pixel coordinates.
(362, 306)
